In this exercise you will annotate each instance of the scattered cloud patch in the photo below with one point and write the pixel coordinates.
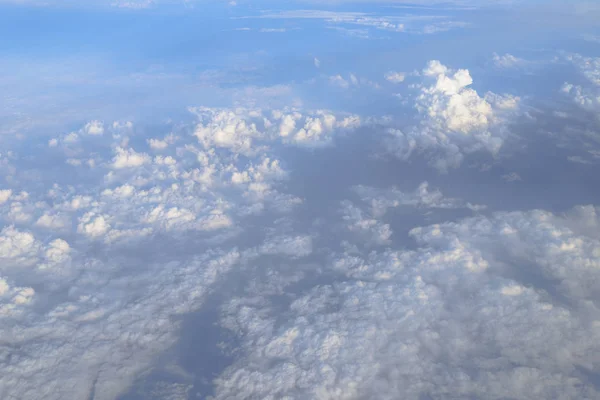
(395, 77)
(455, 119)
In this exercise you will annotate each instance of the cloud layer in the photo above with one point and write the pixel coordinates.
(456, 318)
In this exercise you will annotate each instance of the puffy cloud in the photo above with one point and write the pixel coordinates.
(99, 339)
(338, 80)
(13, 299)
(94, 128)
(454, 119)
(128, 158)
(93, 225)
(451, 103)
(52, 221)
(228, 129)
(58, 250)
(418, 323)
(395, 77)
(247, 131)
(371, 229)
(161, 144)
(507, 61)
(110, 252)
(17, 245)
(588, 66)
(5, 194)
(586, 97)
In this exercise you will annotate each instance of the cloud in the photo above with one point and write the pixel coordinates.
(272, 30)
(93, 225)
(455, 120)
(587, 97)
(95, 267)
(5, 194)
(351, 82)
(416, 24)
(129, 158)
(512, 177)
(418, 323)
(370, 229)
(241, 130)
(395, 77)
(380, 200)
(338, 80)
(507, 61)
(94, 128)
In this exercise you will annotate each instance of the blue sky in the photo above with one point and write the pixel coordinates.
(300, 200)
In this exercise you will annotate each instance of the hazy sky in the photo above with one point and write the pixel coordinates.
(299, 200)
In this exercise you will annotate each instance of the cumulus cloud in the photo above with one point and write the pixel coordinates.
(370, 229)
(105, 252)
(419, 323)
(129, 158)
(243, 130)
(395, 77)
(455, 120)
(587, 97)
(5, 194)
(94, 128)
(507, 61)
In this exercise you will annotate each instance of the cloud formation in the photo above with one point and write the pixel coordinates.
(93, 270)
(454, 119)
(587, 97)
(455, 318)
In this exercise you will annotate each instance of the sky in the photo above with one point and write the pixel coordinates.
(206, 199)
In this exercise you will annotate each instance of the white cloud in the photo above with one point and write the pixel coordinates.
(338, 80)
(372, 230)
(52, 221)
(395, 77)
(454, 119)
(94, 128)
(161, 144)
(115, 277)
(15, 244)
(92, 225)
(587, 97)
(417, 323)
(247, 131)
(5, 195)
(129, 158)
(158, 144)
(507, 61)
(380, 200)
